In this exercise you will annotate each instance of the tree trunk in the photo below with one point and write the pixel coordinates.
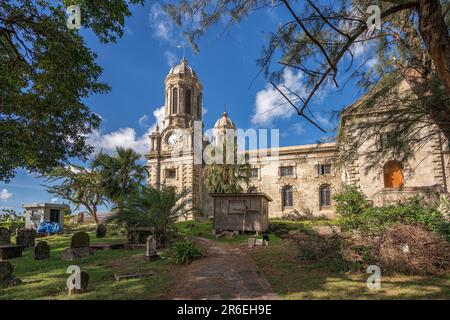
(93, 213)
(434, 32)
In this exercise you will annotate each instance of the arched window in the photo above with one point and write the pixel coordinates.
(325, 196)
(252, 190)
(286, 195)
(187, 101)
(393, 175)
(199, 107)
(175, 100)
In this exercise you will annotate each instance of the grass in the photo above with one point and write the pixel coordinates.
(46, 279)
(292, 279)
(204, 230)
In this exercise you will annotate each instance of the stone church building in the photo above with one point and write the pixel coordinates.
(301, 180)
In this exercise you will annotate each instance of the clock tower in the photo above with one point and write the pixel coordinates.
(170, 161)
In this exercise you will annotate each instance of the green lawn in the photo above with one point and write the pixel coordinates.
(292, 279)
(204, 230)
(46, 279)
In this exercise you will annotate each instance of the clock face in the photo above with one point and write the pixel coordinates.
(173, 139)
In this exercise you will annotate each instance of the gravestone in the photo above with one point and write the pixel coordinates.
(251, 242)
(150, 252)
(80, 240)
(7, 279)
(101, 231)
(9, 251)
(84, 279)
(79, 247)
(42, 251)
(25, 237)
(5, 236)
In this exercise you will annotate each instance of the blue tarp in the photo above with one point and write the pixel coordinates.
(49, 228)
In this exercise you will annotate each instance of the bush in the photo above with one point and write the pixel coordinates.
(356, 213)
(186, 251)
(413, 250)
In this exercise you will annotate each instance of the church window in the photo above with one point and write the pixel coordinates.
(175, 100)
(171, 173)
(286, 195)
(252, 190)
(199, 107)
(187, 101)
(254, 173)
(325, 196)
(287, 171)
(325, 169)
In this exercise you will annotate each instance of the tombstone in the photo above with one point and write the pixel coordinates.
(101, 231)
(251, 242)
(79, 247)
(25, 237)
(80, 240)
(84, 279)
(9, 251)
(150, 252)
(5, 236)
(7, 279)
(259, 242)
(42, 251)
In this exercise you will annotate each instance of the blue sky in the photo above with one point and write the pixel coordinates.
(136, 66)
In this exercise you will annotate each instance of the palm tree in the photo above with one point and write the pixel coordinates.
(121, 174)
(227, 177)
(152, 207)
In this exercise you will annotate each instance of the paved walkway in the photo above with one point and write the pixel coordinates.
(225, 272)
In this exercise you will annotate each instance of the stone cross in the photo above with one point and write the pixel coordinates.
(150, 252)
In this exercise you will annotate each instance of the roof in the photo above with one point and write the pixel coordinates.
(224, 122)
(243, 194)
(183, 68)
(46, 205)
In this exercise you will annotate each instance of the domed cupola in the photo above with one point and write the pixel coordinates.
(224, 123)
(183, 68)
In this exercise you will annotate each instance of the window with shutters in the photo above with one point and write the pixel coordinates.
(325, 196)
(286, 195)
(287, 171)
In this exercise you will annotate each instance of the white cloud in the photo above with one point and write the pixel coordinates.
(325, 121)
(54, 200)
(5, 195)
(298, 128)
(125, 137)
(143, 120)
(161, 23)
(171, 58)
(270, 104)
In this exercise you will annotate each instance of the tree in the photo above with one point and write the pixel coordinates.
(79, 185)
(120, 174)
(46, 72)
(152, 207)
(225, 177)
(318, 37)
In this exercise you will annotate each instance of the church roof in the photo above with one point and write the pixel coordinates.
(224, 122)
(183, 68)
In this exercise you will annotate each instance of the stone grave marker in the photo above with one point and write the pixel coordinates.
(84, 279)
(7, 279)
(79, 247)
(42, 251)
(25, 237)
(101, 231)
(150, 252)
(5, 236)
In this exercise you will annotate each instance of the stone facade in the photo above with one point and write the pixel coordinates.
(301, 180)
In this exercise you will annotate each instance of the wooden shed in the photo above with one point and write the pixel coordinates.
(241, 211)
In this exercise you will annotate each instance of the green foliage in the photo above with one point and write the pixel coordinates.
(355, 213)
(226, 177)
(120, 175)
(185, 251)
(46, 74)
(151, 207)
(79, 185)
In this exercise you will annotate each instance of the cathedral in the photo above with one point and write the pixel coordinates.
(301, 180)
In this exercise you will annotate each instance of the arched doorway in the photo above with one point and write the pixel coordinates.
(393, 175)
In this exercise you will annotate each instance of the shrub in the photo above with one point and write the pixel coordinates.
(413, 250)
(350, 204)
(186, 251)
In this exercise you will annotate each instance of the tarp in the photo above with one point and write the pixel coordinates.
(49, 228)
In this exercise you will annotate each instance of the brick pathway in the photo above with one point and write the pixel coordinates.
(225, 272)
